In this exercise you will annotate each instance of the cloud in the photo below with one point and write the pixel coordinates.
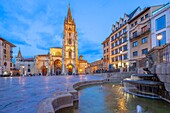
(36, 26)
(42, 47)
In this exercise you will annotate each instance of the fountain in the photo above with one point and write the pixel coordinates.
(151, 84)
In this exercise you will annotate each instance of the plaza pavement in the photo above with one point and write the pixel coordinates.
(23, 94)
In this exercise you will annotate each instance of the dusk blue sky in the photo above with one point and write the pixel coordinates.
(37, 25)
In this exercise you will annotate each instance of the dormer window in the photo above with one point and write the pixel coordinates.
(146, 16)
(136, 22)
(125, 21)
(142, 18)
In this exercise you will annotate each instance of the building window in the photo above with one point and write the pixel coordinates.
(107, 50)
(135, 43)
(69, 41)
(132, 25)
(113, 59)
(120, 49)
(120, 41)
(142, 18)
(70, 54)
(124, 30)
(112, 52)
(135, 53)
(104, 51)
(29, 70)
(145, 51)
(69, 34)
(4, 51)
(116, 36)
(146, 16)
(125, 56)
(144, 40)
(116, 43)
(116, 58)
(134, 34)
(144, 29)
(124, 39)
(112, 38)
(160, 23)
(163, 40)
(120, 33)
(10, 64)
(5, 45)
(136, 22)
(125, 21)
(116, 51)
(125, 48)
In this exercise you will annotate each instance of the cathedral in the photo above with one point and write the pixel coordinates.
(59, 60)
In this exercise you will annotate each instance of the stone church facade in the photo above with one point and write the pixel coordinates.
(63, 60)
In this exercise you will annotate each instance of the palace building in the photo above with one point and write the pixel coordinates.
(61, 60)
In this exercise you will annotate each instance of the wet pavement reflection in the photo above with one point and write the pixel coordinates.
(23, 94)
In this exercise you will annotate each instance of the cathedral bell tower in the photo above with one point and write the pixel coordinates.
(70, 46)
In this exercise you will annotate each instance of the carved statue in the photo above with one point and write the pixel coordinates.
(149, 64)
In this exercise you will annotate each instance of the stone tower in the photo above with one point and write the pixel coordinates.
(70, 46)
(19, 56)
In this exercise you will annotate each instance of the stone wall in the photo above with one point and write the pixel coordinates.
(163, 73)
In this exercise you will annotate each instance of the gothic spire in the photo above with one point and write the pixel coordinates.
(19, 54)
(69, 15)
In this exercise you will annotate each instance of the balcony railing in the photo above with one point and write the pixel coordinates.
(122, 35)
(139, 34)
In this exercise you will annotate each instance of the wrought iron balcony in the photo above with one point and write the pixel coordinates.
(139, 34)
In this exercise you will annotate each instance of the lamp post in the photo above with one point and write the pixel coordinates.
(159, 38)
(121, 58)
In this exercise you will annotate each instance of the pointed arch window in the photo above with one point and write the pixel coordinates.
(69, 53)
(69, 41)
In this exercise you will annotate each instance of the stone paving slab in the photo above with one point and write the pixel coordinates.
(23, 94)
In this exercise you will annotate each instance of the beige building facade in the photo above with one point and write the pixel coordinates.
(106, 53)
(95, 67)
(6, 56)
(140, 37)
(118, 41)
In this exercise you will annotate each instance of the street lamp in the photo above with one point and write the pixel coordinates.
(121, 57)
(159, 38)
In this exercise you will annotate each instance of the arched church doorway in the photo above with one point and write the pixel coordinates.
(70, 69)
(57, 67)
(44, 70)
